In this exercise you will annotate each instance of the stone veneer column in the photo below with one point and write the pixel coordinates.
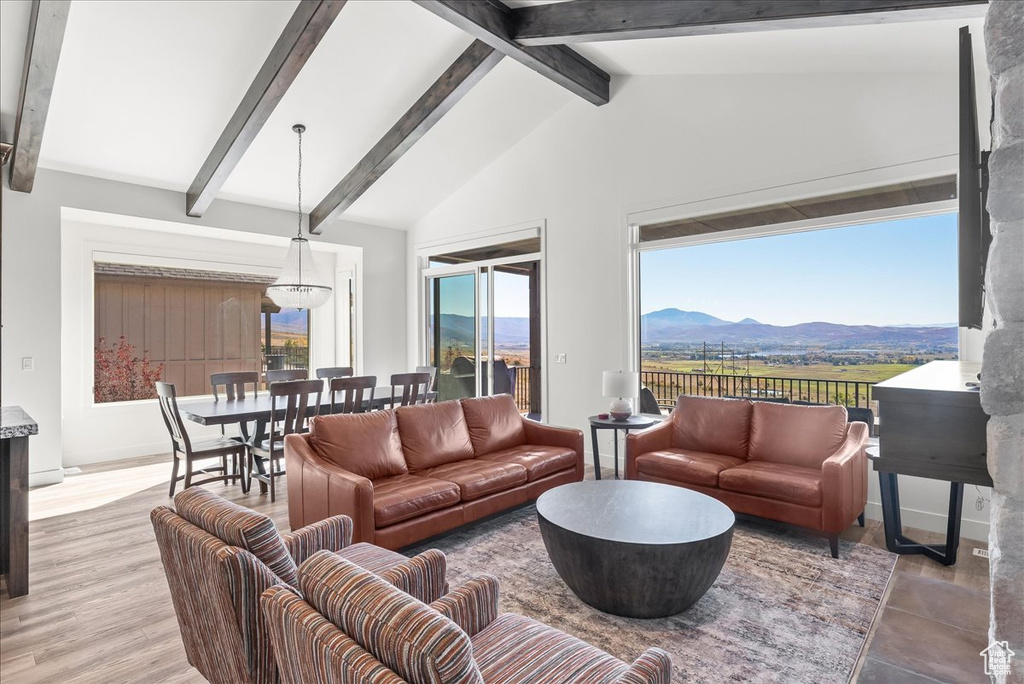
(1002, 394)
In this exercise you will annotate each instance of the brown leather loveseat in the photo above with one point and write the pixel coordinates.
(406, 474)
(802, 465)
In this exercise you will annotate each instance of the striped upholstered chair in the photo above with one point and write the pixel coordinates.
(354, 627)
(219, 557)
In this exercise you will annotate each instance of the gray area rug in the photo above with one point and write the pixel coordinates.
(783, 610)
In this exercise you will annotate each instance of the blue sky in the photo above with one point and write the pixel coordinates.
(873, 274)
(511, 295)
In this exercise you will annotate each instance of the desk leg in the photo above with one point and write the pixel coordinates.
(897, 542)
(597, 456)
(16, 515)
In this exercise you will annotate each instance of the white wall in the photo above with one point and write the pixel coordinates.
(31, 286)
(666, 140)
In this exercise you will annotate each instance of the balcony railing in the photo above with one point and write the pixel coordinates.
(523, 379)
(287, 358)
(668, 385)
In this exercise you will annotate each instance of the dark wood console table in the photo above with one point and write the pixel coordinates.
(931, 425)
(15, 428)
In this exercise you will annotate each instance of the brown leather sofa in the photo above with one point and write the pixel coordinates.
(407, 474)
(802, 465)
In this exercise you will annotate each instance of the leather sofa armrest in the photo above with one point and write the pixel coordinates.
(332, 534)
(654, 666)
(422, 576)
(653, 438)
(318, 489)
(844, 480)
(473, 606)
(549, 435)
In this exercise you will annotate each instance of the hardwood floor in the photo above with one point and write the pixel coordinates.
(99, 609)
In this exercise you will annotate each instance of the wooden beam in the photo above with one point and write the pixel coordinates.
(492, 22)
(596, 20)
(478, 59)
(300, 37)
(46, 27)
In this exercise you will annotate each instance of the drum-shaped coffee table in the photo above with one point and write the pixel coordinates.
(636, 549)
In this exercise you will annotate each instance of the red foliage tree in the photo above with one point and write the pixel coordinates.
(122, 376)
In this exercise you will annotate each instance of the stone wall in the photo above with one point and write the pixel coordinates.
(1002, 393)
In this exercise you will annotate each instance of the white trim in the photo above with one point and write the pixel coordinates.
(483, 238)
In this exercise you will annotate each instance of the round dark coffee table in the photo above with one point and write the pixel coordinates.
(636, 549)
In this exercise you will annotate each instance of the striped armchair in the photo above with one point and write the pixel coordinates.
(219, 557)
(350, 626)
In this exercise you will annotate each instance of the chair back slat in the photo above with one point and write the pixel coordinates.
(286, 375)
(432, 370)
(334, 372)
(234, 384)
(168, 399)
(349, 394)
(294, 397)
(413, 388)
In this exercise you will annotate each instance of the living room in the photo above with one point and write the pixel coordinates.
(518, 164)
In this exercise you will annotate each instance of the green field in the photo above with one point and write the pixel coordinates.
(864, 372)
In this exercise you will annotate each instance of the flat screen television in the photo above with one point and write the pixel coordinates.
(973, 231)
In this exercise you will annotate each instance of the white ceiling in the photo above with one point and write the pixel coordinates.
(144, 89)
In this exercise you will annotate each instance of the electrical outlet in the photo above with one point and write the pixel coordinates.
(981, 552)
(27, 363)
(559, 358)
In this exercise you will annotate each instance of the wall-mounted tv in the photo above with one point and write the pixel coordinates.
(974, 235)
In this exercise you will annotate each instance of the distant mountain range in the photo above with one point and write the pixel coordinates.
(673, 326)
(507, 330)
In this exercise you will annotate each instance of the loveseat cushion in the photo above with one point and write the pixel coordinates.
(691, 467)
(494, 423)
(778, 481)
(410, 638)
(516, 648)
(434, 434)
(366, 444)
(238, 526)
(407, 496)
(539, 461)
(796, 435)
(478, 478)
(711, 425)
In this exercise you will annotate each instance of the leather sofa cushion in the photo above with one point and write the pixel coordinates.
(539, 461)
(712, 425)
(479, 478)
(778, 481)
(494, 423)
(406, 496)
(691, 467)
(434, 434)
(797, 435)
(366, 444)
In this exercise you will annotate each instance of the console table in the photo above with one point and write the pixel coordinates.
(931, 425)
(15, 428)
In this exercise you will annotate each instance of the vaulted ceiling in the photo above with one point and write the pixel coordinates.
(143, 91)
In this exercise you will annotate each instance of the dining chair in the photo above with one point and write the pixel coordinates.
(181, 443)
(234, 385)
(432, 370)
(334, 372)
(287, 375)
(414, 388)
(292, 404)
(349, 394)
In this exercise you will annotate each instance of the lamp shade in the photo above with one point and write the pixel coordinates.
(299, 285)
(620, 384)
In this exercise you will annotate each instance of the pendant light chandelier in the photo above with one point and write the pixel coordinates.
(299, 286)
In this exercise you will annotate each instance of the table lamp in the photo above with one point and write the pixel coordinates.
(623, 387)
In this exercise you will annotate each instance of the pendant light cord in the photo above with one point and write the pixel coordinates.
(300, 182)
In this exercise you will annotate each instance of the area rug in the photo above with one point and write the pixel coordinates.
(783, 610)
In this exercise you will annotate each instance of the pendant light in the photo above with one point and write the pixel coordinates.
(299, 286)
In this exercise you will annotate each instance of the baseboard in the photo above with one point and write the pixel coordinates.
(46, 477)
(932, 522)
(118, 454)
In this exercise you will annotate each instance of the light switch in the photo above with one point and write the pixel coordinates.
(559, 358)
(27, 363)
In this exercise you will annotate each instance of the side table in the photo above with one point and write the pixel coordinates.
(631, 423)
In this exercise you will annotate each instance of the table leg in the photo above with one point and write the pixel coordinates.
(615, 437)
(597, 457)
(16, 514)
(897, 542)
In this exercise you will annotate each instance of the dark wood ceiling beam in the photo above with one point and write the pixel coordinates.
(46, 27)
(305, 29)
(471, 66)
(595, 20)
(493, 23)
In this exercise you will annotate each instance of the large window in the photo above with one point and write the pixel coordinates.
(815, 316)
(182, 325)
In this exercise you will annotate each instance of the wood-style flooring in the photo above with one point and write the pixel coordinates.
(98, 609)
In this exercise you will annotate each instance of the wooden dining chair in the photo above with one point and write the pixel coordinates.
(287, 375)
(234, 385)
(414, 388)
(334, 372)
(348, 395)
(182, 447)
(292, 404)
(432, 370)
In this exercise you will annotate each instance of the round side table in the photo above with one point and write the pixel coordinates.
(631, 423)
